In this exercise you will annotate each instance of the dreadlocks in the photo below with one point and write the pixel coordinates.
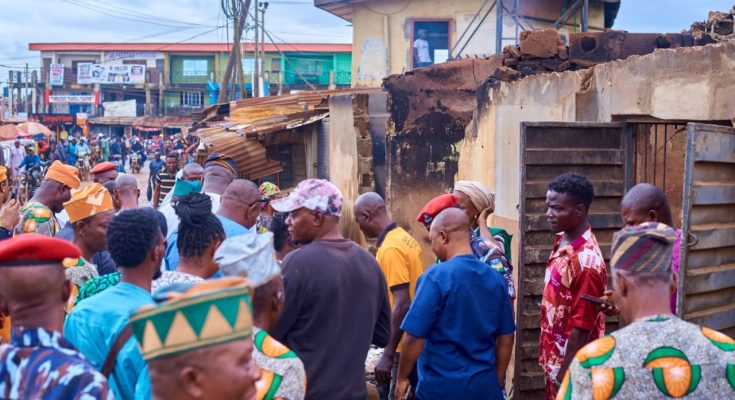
(198, 227)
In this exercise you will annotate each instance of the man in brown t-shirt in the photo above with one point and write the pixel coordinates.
(336, 302)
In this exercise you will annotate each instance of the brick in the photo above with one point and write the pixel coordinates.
(543, 44)
(506, 74)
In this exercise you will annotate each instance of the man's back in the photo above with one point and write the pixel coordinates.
(42, 364)
(94, 324)
(336, 306)
(655, 357)
(461, 307)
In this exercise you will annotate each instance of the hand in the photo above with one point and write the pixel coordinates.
(611, 309)
(10, 214)
(383, 368)
(401, 388)
(484, 214)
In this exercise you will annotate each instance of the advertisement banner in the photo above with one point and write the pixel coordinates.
(53, 119)
(128, 74)
(56, 75)
(72, 99)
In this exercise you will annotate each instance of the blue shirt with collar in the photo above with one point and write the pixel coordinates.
(460, 308)
(230, 227)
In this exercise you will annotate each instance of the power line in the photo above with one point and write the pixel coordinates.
(115, 14)
(155, 17)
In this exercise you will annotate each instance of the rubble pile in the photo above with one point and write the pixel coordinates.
(719, 26)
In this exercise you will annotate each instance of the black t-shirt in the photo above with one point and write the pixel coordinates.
(336, 306)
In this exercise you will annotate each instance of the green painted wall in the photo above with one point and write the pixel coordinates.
(192, 65)
(316, 67)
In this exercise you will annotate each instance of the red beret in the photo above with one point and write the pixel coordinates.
(31, 248)
(435, 206)
(103, 166)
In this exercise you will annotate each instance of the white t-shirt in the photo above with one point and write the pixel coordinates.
(422, 50)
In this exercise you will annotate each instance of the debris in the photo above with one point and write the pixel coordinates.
(542, 44)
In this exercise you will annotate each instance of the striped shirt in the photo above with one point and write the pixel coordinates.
(166, 181)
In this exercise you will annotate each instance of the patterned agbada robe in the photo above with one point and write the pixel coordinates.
(78, 271)
(282, 372)
(40, 364)
(37, 218)
(652, 358)
(575, 269)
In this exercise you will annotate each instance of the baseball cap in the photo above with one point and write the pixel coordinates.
(313, 194)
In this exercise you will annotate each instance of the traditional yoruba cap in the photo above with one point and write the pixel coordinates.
(269, 189)
(89, 201)
(191, 317)
(248, 256)
(182, 187)
(481, 196)
(435, 206)
(313, 194)
(63, 173)
(103, 166)
(643, 248)
(223, 161)
(34, 249)
(3, 174)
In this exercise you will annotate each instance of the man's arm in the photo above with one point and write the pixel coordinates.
(293, 300)
(410, 352)
(401, 303)
(503, 350)
(381, 333)
(578, 338)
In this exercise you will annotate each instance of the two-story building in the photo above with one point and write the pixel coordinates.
(393, 36)
(115, 83)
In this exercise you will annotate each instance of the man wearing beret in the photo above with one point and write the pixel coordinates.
(198, 341)
(104, 172)
(657, 355)
(38, 215)
(38, 362)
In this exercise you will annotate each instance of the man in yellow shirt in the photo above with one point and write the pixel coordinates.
(399, 256)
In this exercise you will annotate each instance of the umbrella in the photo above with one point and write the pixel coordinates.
(9, 132)
(33, 128)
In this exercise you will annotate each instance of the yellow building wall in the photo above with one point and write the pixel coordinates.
(382, 42)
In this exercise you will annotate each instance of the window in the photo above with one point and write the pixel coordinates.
(248, 65)
(195, 68)
(430, 42)
(276, 64)
(309, 67)
(191, 99)
(284, 154)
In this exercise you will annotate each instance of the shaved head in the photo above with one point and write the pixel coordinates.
(450, 234)
(371, 214)
(646, 202)
(35, 295)
(124, 181)
(242, 191)
(240, 202)
(369, 201)
(192, 172)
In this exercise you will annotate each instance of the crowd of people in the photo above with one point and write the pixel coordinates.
(224, 289)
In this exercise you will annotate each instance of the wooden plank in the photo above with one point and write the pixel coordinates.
(714, 237)
(572, 137)
(719, 319)
(710, 279)
(707, 140)
(574, 157)
(597, 221)
(703, 301)
(709, 194)
(608, 188)
(707, 257)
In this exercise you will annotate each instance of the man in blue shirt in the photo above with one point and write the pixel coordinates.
(136, 244)
(461, 318)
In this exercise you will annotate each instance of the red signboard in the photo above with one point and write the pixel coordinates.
(53, 119)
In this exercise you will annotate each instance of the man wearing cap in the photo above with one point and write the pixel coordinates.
(271, 191)
(90, 211)
(165, 179)
(657, 355)
(38, 215)
(282, 373)
(336, 297)
(38, 362)
(210, 359)
(96, 325)
(104, 172)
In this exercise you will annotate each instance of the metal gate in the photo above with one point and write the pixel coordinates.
(601, 151)
(706, 294)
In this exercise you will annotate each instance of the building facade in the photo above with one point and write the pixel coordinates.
(390, 36)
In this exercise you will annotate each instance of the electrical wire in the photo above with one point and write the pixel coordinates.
(114, 14)
(408, 2)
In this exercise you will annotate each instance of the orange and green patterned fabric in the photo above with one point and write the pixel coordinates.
(655, 357)
(37, 218)
(282, 374)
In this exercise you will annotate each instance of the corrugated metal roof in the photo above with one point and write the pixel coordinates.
(307, 98)
(163, 122)
(249, 154)
(191, 47)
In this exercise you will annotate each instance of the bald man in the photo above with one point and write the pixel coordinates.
(126, 192)
(38, 362)
(400, 259)
(647, 203)
(460, 320)
(190, 172)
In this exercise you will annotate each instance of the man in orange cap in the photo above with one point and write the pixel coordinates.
(104, 172)
(38, 362)
(38, 215)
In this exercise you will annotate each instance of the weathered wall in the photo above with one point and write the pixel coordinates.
(382, 42)
(691, 84)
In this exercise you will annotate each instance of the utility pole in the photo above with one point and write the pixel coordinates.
(263, 74)
(10, 92)
(34, 96)
(233, 61)
(26, 103)
(256, 73)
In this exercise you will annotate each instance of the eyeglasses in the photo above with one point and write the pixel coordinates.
(264, 199)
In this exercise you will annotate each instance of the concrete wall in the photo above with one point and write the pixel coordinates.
(383, 45)
(689, 84)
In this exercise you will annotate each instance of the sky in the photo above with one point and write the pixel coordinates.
(28, 21)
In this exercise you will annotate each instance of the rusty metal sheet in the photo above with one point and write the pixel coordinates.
(249, 154)
(547, 150)
(618, 45)
(706, 293)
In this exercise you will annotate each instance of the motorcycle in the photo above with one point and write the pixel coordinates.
(135, 163)
(83, 166)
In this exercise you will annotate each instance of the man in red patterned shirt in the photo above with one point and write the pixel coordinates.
(576, 267)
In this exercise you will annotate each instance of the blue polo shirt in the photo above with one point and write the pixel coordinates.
(460, 307)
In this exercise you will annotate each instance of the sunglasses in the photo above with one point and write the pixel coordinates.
(264, 199)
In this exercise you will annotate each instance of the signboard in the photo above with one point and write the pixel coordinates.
(71, 99)
(56, 75)
(125, 108)
(128, 74)
(137, 55)
(53, 119)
